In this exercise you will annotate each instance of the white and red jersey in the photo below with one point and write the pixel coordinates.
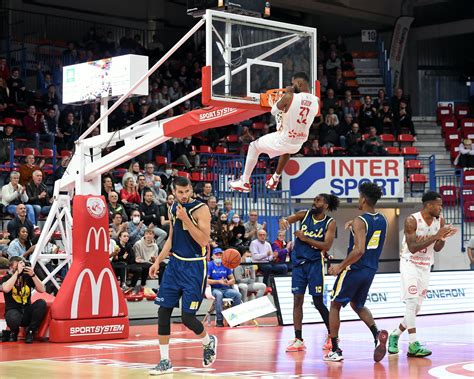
(425, 257)
(298, 118)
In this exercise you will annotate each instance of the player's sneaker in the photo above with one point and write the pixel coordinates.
(417, 350)
(164, 367)
(393, 344)
(334, 356)
(272, 183)
(210, 352)
(240, 186)
(295, 346)
(381, 345)
(328, 343)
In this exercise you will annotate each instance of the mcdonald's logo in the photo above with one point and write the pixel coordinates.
(96, 289)
(97, 234)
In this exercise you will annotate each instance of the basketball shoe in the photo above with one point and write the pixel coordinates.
(164, 367)
(380, 345)
(272, 183)
(210, 352)
(240, 186)
(393, 344)
(295, 346)
(334, 356)
(417, 350)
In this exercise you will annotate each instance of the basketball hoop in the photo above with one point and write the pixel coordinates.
(270, 98)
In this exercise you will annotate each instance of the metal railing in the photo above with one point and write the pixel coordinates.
(384, 66)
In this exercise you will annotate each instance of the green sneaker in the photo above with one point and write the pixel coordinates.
(416, 349)
(393, 344)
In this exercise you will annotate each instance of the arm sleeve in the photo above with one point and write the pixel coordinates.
(275, 109)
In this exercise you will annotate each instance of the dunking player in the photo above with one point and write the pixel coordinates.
(299, 107)
(425, 234)
(357, 271)
(313, 240)
(186, 273)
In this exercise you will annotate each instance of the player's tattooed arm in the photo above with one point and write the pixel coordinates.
(286, 221)
(414, 244)
(439, 244)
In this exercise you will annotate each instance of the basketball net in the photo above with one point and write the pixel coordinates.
(270, 98)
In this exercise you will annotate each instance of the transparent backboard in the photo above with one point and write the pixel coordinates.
(248, 55)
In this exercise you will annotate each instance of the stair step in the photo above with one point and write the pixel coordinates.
(370, 90)
(370, 81)
(429, 144)
(361, 71)
(366, 63)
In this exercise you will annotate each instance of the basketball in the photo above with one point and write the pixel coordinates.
(231, 258)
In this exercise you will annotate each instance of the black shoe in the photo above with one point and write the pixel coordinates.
(13, 337)
(5, 335)
(219, 324)
(30, 336)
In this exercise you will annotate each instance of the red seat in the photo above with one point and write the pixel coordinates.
(449, 125)
(410, 151)
(406, 140)
(211, 177)
(444, 112)
(258, 125)
(47, 153)
(452, 138)
(336, 150)
(417, 181)
(413, 165)
(467, 194)
(221, 150)
(30, 151)
(197, 176)
(449, 194)
(205, 149)
(12, 121)
(453, 152)
(18, 153)
(232, 138)
(160, 160)
(387, 138)
(469, 211)
(65, 153)
(391, 150)
(468, 178)
(184, 174)
(467, 126)
(461, 111)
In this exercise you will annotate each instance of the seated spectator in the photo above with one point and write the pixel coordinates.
(150, 177)
(329, 132)
(122, 117)
(281, 248)
(252, 226)
(465, 158)
(330, 102)
(182, 152)
(17, 87)
(150, 214)
(221, 280)
(345, 126)
(396, 99)
(403, 119)
(51, 99)
(323, 80)
(175, 91)
(214, 209)
(337, 83)
(4, 97)
(21, 246)
(123, 260)
(51, 123)
(332, 64)
(245, 139)
(237, 231)
(354, 141)
(228, 209)
(385, 120)
(373, 145)
(136, 227)
(146, 252)
(206, 193)
(220, 231)
(129, 195)
(17, 287)
(380, 100)
(38, 195)
(348, 105)
(68, 132)
(367, 113)
(142, 187)
(20, 220)
(58, 174)
(133, 172)
(6, 137)
(160, 193)
(4, 71)
(246, 279)
(117, 225)
(14, 194)
(116, 207)
(165, 212)
(108, 185)
(26, 170)
(262, 254)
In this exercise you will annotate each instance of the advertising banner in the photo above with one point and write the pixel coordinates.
(397, 48)
(448, 292)
(307, 177)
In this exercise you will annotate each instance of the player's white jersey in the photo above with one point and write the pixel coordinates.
(425, 257)
(298, 118)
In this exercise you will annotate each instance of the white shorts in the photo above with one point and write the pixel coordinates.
(414, 280)
(273, 145)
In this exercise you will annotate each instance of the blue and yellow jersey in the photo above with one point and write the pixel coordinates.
(314, 229)
(183, 244)
(376, 230)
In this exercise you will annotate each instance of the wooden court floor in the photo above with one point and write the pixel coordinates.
(251, 352)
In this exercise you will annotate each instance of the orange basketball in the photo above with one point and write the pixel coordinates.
(231, 258)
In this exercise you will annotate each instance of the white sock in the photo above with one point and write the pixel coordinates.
(276, 176)
(165, 351)
(397, 332)
(206, 339)
(411, 337)
(250, 162)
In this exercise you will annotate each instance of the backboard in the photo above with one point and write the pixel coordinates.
(246, 56)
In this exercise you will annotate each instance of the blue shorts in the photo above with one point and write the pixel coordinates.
(353, 286)
(308, 274)
(186, 279)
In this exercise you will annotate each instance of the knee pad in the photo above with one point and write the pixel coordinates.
(164, 321)
(192, 323)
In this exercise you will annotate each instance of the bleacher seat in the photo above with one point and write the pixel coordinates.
(47, 153)
(449, 195)
(406, 140)
(443, 113)
(392, 150)
(221, 150)
(469, 211)
(258, 125)
(161, 160)
(417, 182)
(65, 153)
(337, 150)
(410, 151)
(452, 139)
(31, 151)
(387, 139)
(467, 194)
(453, 152)
(413, 165)
(205, 149)
(449, 125)
(468, 178)
(461, 111)
(232, 138)
(184, 174)
(197, 176)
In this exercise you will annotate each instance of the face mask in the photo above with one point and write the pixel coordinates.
(136, 220)
(157, 184)
(187, 141)
(235, 220)
(218, 260)
(169, 172)
(248, 260)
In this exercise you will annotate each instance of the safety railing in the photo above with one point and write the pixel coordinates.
(384, 66)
